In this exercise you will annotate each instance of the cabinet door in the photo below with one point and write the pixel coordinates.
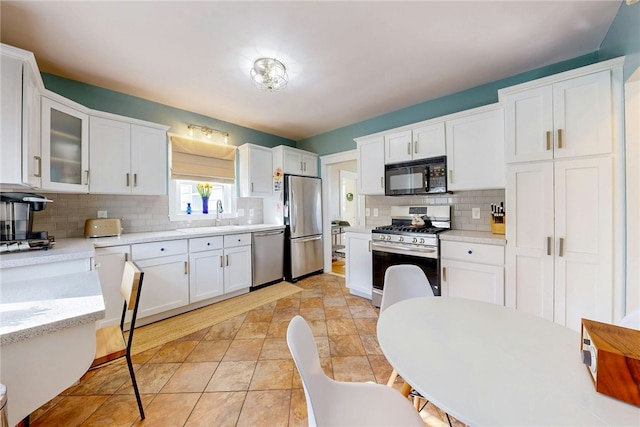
(310, 164)
(165, 284)
(473, 281)
(206, 275)
(148, 161)
(529, 125)
(429, 141)
(358, 264)
(237, 274)
(110, 264)
(65, 148)
(110, 160)
(475, 151)
(582, 115)
(371, 165)
(259, 167)
(584, 241)
(530, 236)
(11, 111)
(398, 147)
(31, 134)
(292, 161)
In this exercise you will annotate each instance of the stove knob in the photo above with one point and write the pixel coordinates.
(401, 239)
(414, 240)
(421, 240)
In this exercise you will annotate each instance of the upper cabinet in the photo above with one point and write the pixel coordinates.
(65, 147)
(475, 150)
(127, 158)
(256, 170)
(295, 161)
(413, 144)
(565, 119)
(20, 159)
(371, 164)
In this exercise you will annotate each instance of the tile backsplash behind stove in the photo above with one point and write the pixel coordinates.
(65, 217)
(461, 204)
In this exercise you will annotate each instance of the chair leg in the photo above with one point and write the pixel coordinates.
(392, 378)
(135, 386)
(448, 419)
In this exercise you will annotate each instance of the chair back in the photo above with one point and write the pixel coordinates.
(305, 355)
(402, 282)
(631, 320)
(131, 283)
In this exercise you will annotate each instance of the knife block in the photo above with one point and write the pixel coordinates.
(498, 227)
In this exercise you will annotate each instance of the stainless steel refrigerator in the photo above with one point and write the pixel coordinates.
(303, 221)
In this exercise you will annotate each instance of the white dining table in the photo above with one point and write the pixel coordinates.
(488, 365)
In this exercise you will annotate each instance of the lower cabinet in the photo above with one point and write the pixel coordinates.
(166, 275)
(206, 265)
(237, 262)
(473, 271)
(358, 266)
(110, 265)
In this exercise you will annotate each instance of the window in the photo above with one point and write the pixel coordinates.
(183, 192)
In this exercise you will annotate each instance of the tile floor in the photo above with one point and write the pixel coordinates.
(236, 373)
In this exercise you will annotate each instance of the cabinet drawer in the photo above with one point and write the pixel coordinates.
(158, 249)
(205, 243)
(233, 240)
(472, 252)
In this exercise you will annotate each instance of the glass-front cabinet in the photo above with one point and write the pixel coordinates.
(65, 147)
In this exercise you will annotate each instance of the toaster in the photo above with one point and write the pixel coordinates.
(102, 227)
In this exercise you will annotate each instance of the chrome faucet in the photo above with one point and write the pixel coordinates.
(219, 209)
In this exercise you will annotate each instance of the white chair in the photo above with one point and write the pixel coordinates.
(336, 403)
(631, 320)
(401, 282)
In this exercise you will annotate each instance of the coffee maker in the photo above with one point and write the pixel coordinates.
(16, 222)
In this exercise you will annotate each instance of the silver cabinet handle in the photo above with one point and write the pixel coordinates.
(444, 274)
(548, 140)
(560, 138)
(227, 260)
(221, 261)
(549, 240)
(135, 179)
(186, 268)
(301, 166)
(86, 174)
(561, 247)
(408, 148)
(39, 160)
(252, 187)
(304, 169)
(415, 147)
(127, 179)
(369, 245)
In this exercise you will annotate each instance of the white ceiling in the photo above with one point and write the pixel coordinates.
(347, 61)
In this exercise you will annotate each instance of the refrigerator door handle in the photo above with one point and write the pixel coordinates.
(293, 215)
(307, 239)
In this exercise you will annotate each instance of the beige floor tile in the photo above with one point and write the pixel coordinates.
(169, 410)
(318, 327)
(231, 376)
(278, 329)
(266, 408)
(346, 345)
(120, 410)
(226, 330)
(250, 330)
(370, 343)
(381, 368)
(353, 301)
(259, 315)
(362, 312)
(366, 325)
(220, 409)
(70, 411)
(288, 302)
(243, 350)
(352, 368)
(272, 375)
(145, 356)
(312, 302)
(196, 336)
(298, 410)
(285, 315)
(190, 378)
(209, 351)
(105, 380)
(341, 327)
(339, 312)
(312, 313)
(334, 300)
(150, 377)
(275, 348)
(175, 351)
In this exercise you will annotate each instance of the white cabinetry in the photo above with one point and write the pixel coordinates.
(166, 277)
(560, 234)
(294, 161)
(358, 264)
(21, 161)
(473, 271)
(237, 262)
(65, 146)
(256, 171)
(475, 150)
(127, 158)
(566, 119)
(370, 164)
(110, 265)
(413, 144)
(206, 265)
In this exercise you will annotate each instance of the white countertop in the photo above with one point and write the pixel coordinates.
(33, 308)
(484, 237)
(360, 229)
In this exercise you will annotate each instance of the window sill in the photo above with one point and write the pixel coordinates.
(201, 217)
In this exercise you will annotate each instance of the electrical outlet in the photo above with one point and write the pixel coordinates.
(375, 211)
(475, 213)
(367, 211)
(102, 214)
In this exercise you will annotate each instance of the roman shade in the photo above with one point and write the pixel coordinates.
(202, 161)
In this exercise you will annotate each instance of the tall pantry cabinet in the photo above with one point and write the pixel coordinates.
(562, 145)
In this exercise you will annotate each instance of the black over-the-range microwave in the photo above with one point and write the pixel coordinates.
(425, 176)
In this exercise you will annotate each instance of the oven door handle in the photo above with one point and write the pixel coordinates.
(420, 252)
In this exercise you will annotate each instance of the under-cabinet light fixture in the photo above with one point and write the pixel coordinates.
(208, 132)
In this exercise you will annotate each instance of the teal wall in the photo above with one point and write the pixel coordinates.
(113, 102)
(623, 38)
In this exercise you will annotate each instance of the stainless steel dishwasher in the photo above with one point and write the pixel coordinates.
(267, 249)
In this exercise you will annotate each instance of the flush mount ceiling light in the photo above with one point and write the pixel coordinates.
(269, 74)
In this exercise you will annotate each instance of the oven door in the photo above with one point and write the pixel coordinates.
(384, 256)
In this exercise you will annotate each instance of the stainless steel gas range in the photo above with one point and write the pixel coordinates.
(411, 238)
